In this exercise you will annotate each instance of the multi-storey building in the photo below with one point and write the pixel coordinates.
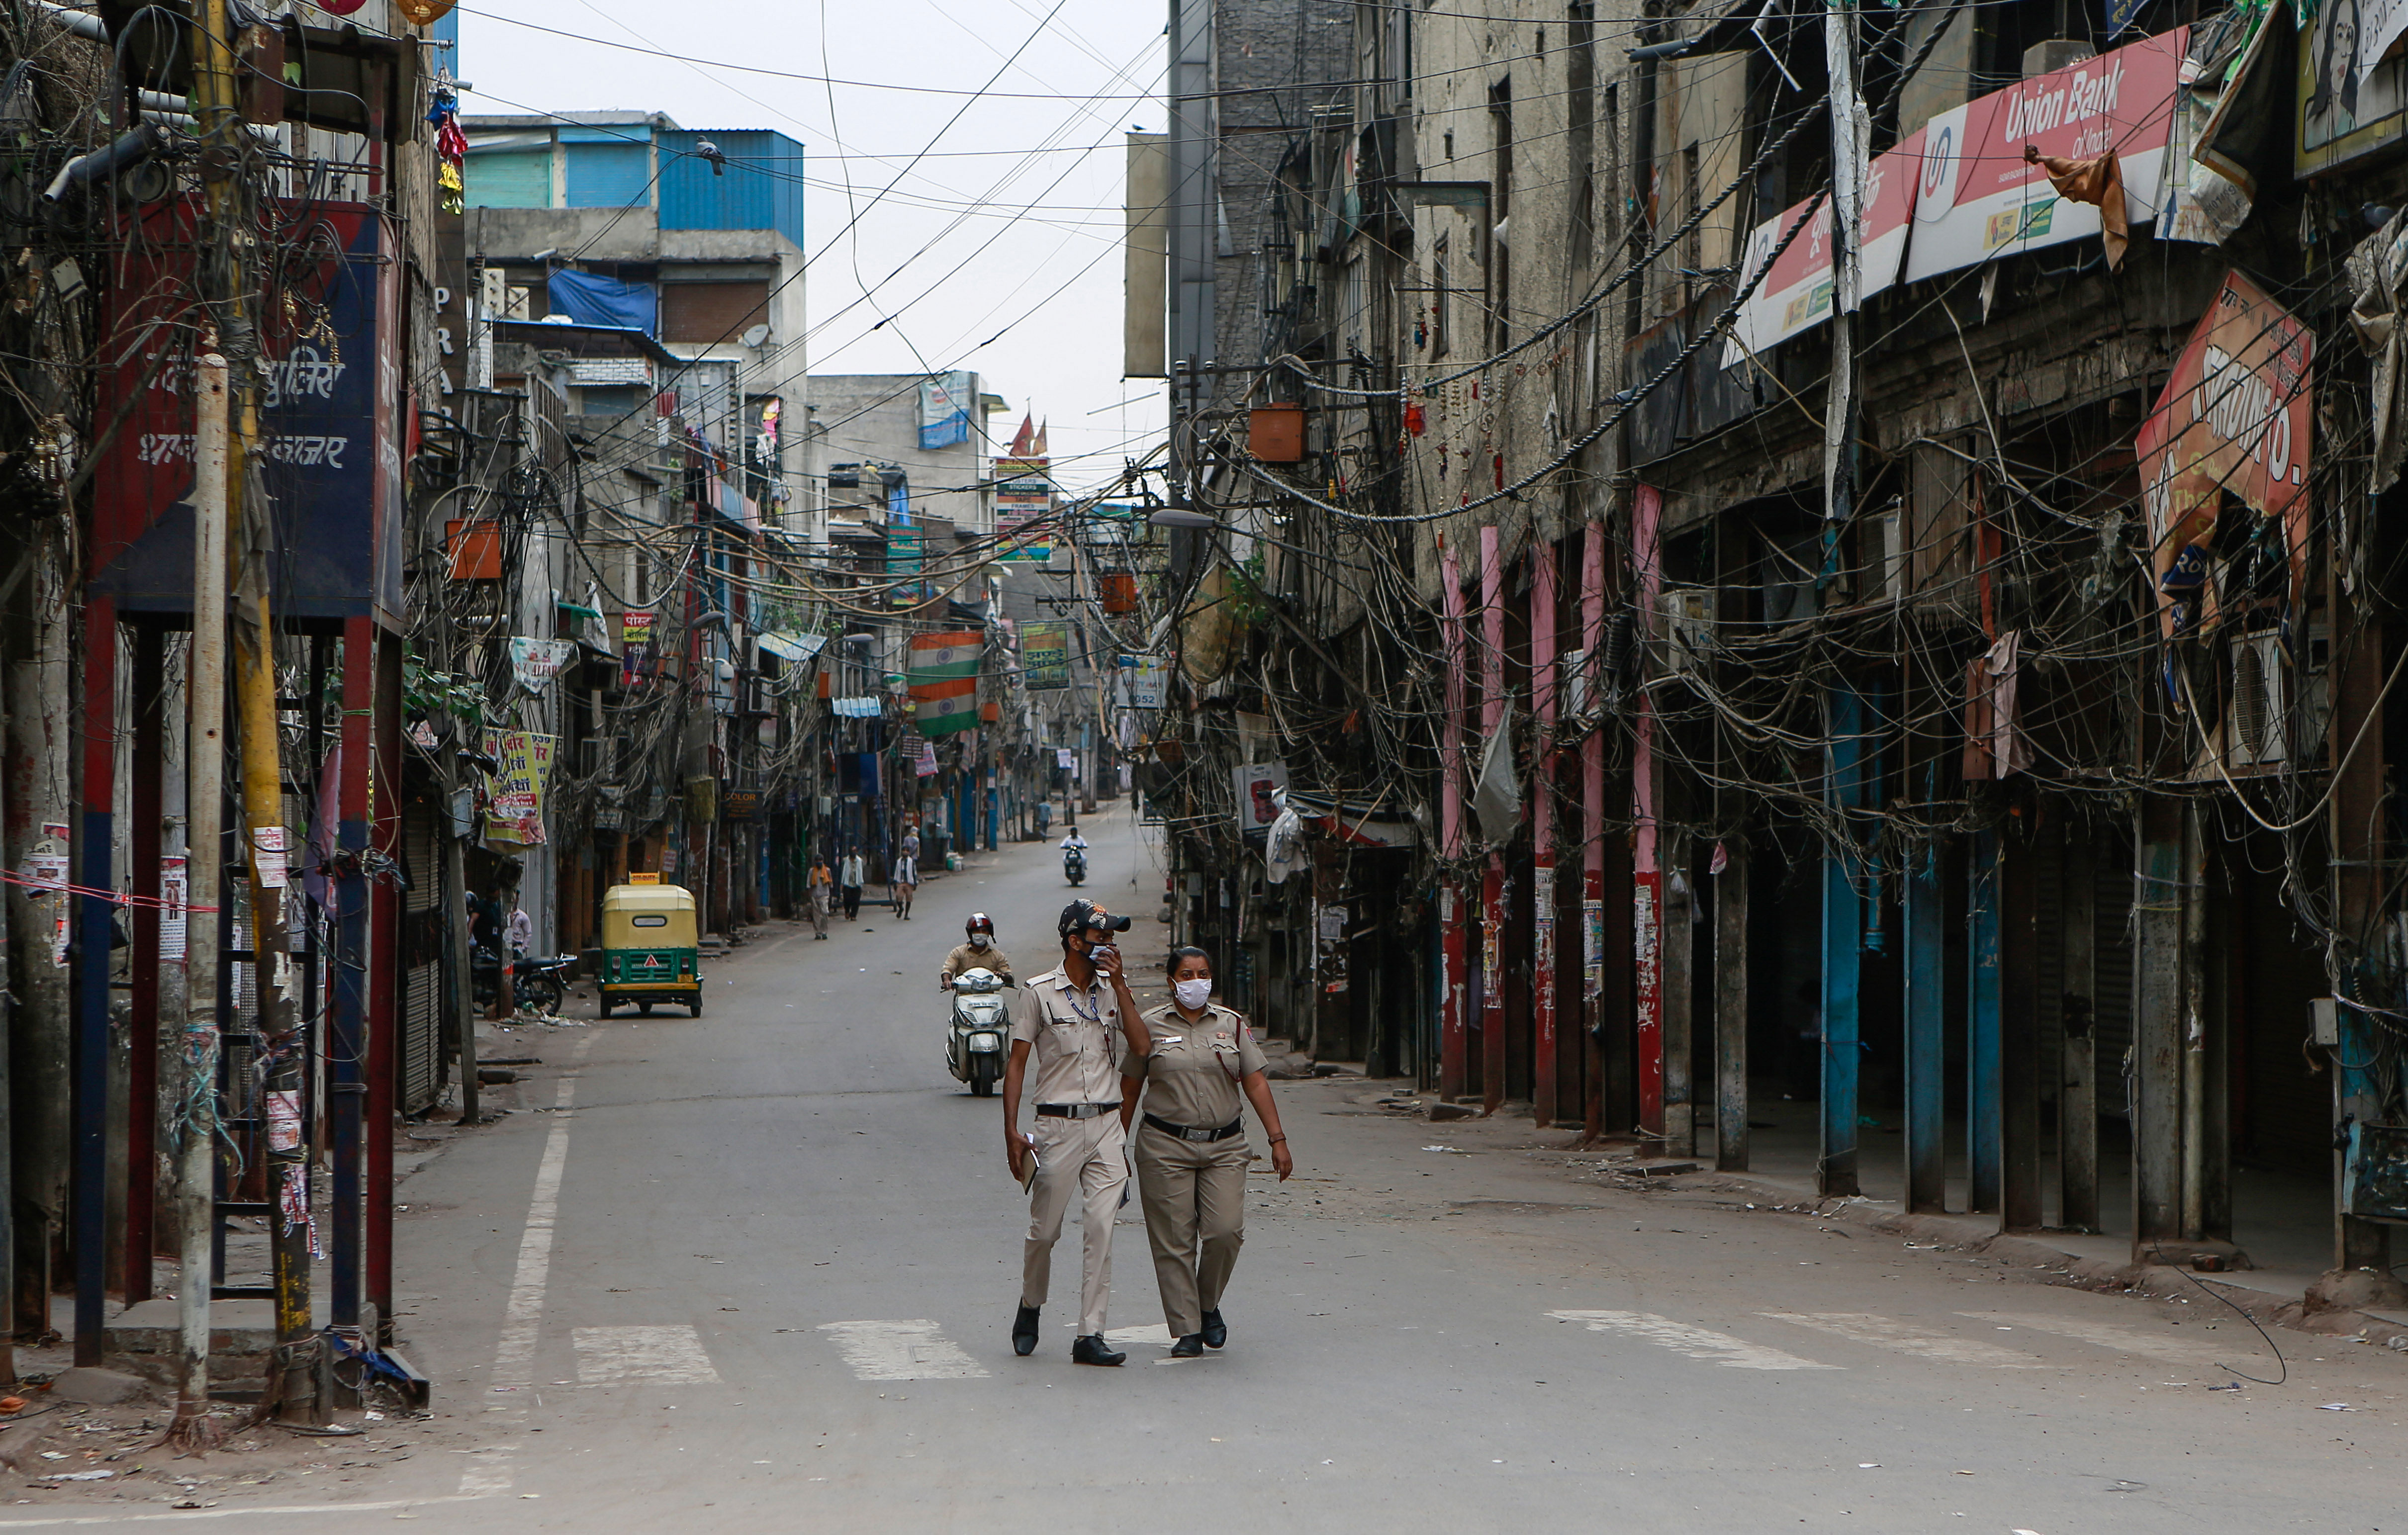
(1843, 611)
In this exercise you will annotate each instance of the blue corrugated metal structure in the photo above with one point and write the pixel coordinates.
(510, 178)
(608, 174)
(762, 187)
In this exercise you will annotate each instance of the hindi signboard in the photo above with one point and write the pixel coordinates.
(1045, 655)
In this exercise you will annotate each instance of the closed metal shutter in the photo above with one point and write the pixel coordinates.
(422, 1032)
(2113, 1007)
(709, 312)
(421, 1062)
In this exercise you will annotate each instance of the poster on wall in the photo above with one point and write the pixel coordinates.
(1257, 785)
(2351, 88)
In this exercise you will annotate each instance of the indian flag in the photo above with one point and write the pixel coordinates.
(944, 680)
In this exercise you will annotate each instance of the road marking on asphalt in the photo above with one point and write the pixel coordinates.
(1158, 1333)
(244, 1512)
(1882, 1332)
(522, 1322)
(901, 1351)
(1719, 1348)
(670, 1354)
(2099, 1334)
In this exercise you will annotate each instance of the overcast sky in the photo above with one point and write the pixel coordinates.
(1009, 223)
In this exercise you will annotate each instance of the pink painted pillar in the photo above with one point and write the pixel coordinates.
(1492, 879)
(1647, 876)
(1542, 837)
(1592, 751)
(1451, 1053)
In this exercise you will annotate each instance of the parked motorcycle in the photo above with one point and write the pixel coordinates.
(1074, 866)
(981, 1034)
(536, 986)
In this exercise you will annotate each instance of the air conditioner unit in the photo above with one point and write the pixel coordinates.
(1686, 628)
(2256, 718)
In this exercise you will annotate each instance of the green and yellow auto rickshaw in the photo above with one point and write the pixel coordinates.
(650, 949)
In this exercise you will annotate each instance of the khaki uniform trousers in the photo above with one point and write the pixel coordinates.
(1085, 1156)
(1194, 1199)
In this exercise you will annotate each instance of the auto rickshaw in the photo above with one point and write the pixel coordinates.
(650, 948)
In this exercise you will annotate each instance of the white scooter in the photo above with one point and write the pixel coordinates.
(980, 1035)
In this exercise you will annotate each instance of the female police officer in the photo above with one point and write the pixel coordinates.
(1190, 1152)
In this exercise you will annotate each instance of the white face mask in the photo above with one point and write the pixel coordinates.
(978, 941)
(1192, 995)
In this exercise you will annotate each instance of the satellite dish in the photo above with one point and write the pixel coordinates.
(757, 334)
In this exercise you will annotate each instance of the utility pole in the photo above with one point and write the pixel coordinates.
(196, 1118)
(290, 1380)
(218, 462)
(1851, 146)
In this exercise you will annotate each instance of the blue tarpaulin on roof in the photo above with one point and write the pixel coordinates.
(591, 299)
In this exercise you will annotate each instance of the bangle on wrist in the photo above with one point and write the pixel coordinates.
(1279, 1140)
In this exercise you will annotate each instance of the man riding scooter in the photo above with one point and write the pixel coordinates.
(976, 952)
(1074, 857)
(978, 1023)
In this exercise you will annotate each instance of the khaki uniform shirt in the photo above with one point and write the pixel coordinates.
(1078, 1060)
(967, 957)
(1191, 1076)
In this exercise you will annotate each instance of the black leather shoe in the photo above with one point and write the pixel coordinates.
(1093, 1350)
(1216, 1332)
(1189, 1347)
(1023, 1332)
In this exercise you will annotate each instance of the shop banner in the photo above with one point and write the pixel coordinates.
(2237, 418)
(944, 670)
(515, 813)
(1978, 197)
(1797, 293)
(537, 662)
(1045, 655)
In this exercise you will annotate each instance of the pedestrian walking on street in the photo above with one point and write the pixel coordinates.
(903, 883)
(821, 887)
(1078, 1021)
(848, 875)
(1191, 1148)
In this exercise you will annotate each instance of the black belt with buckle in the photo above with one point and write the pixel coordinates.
(1189, 1133)
(1075, 1110)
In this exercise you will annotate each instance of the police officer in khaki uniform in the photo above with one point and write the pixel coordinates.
(1191, 1151)
(1077, 1022)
